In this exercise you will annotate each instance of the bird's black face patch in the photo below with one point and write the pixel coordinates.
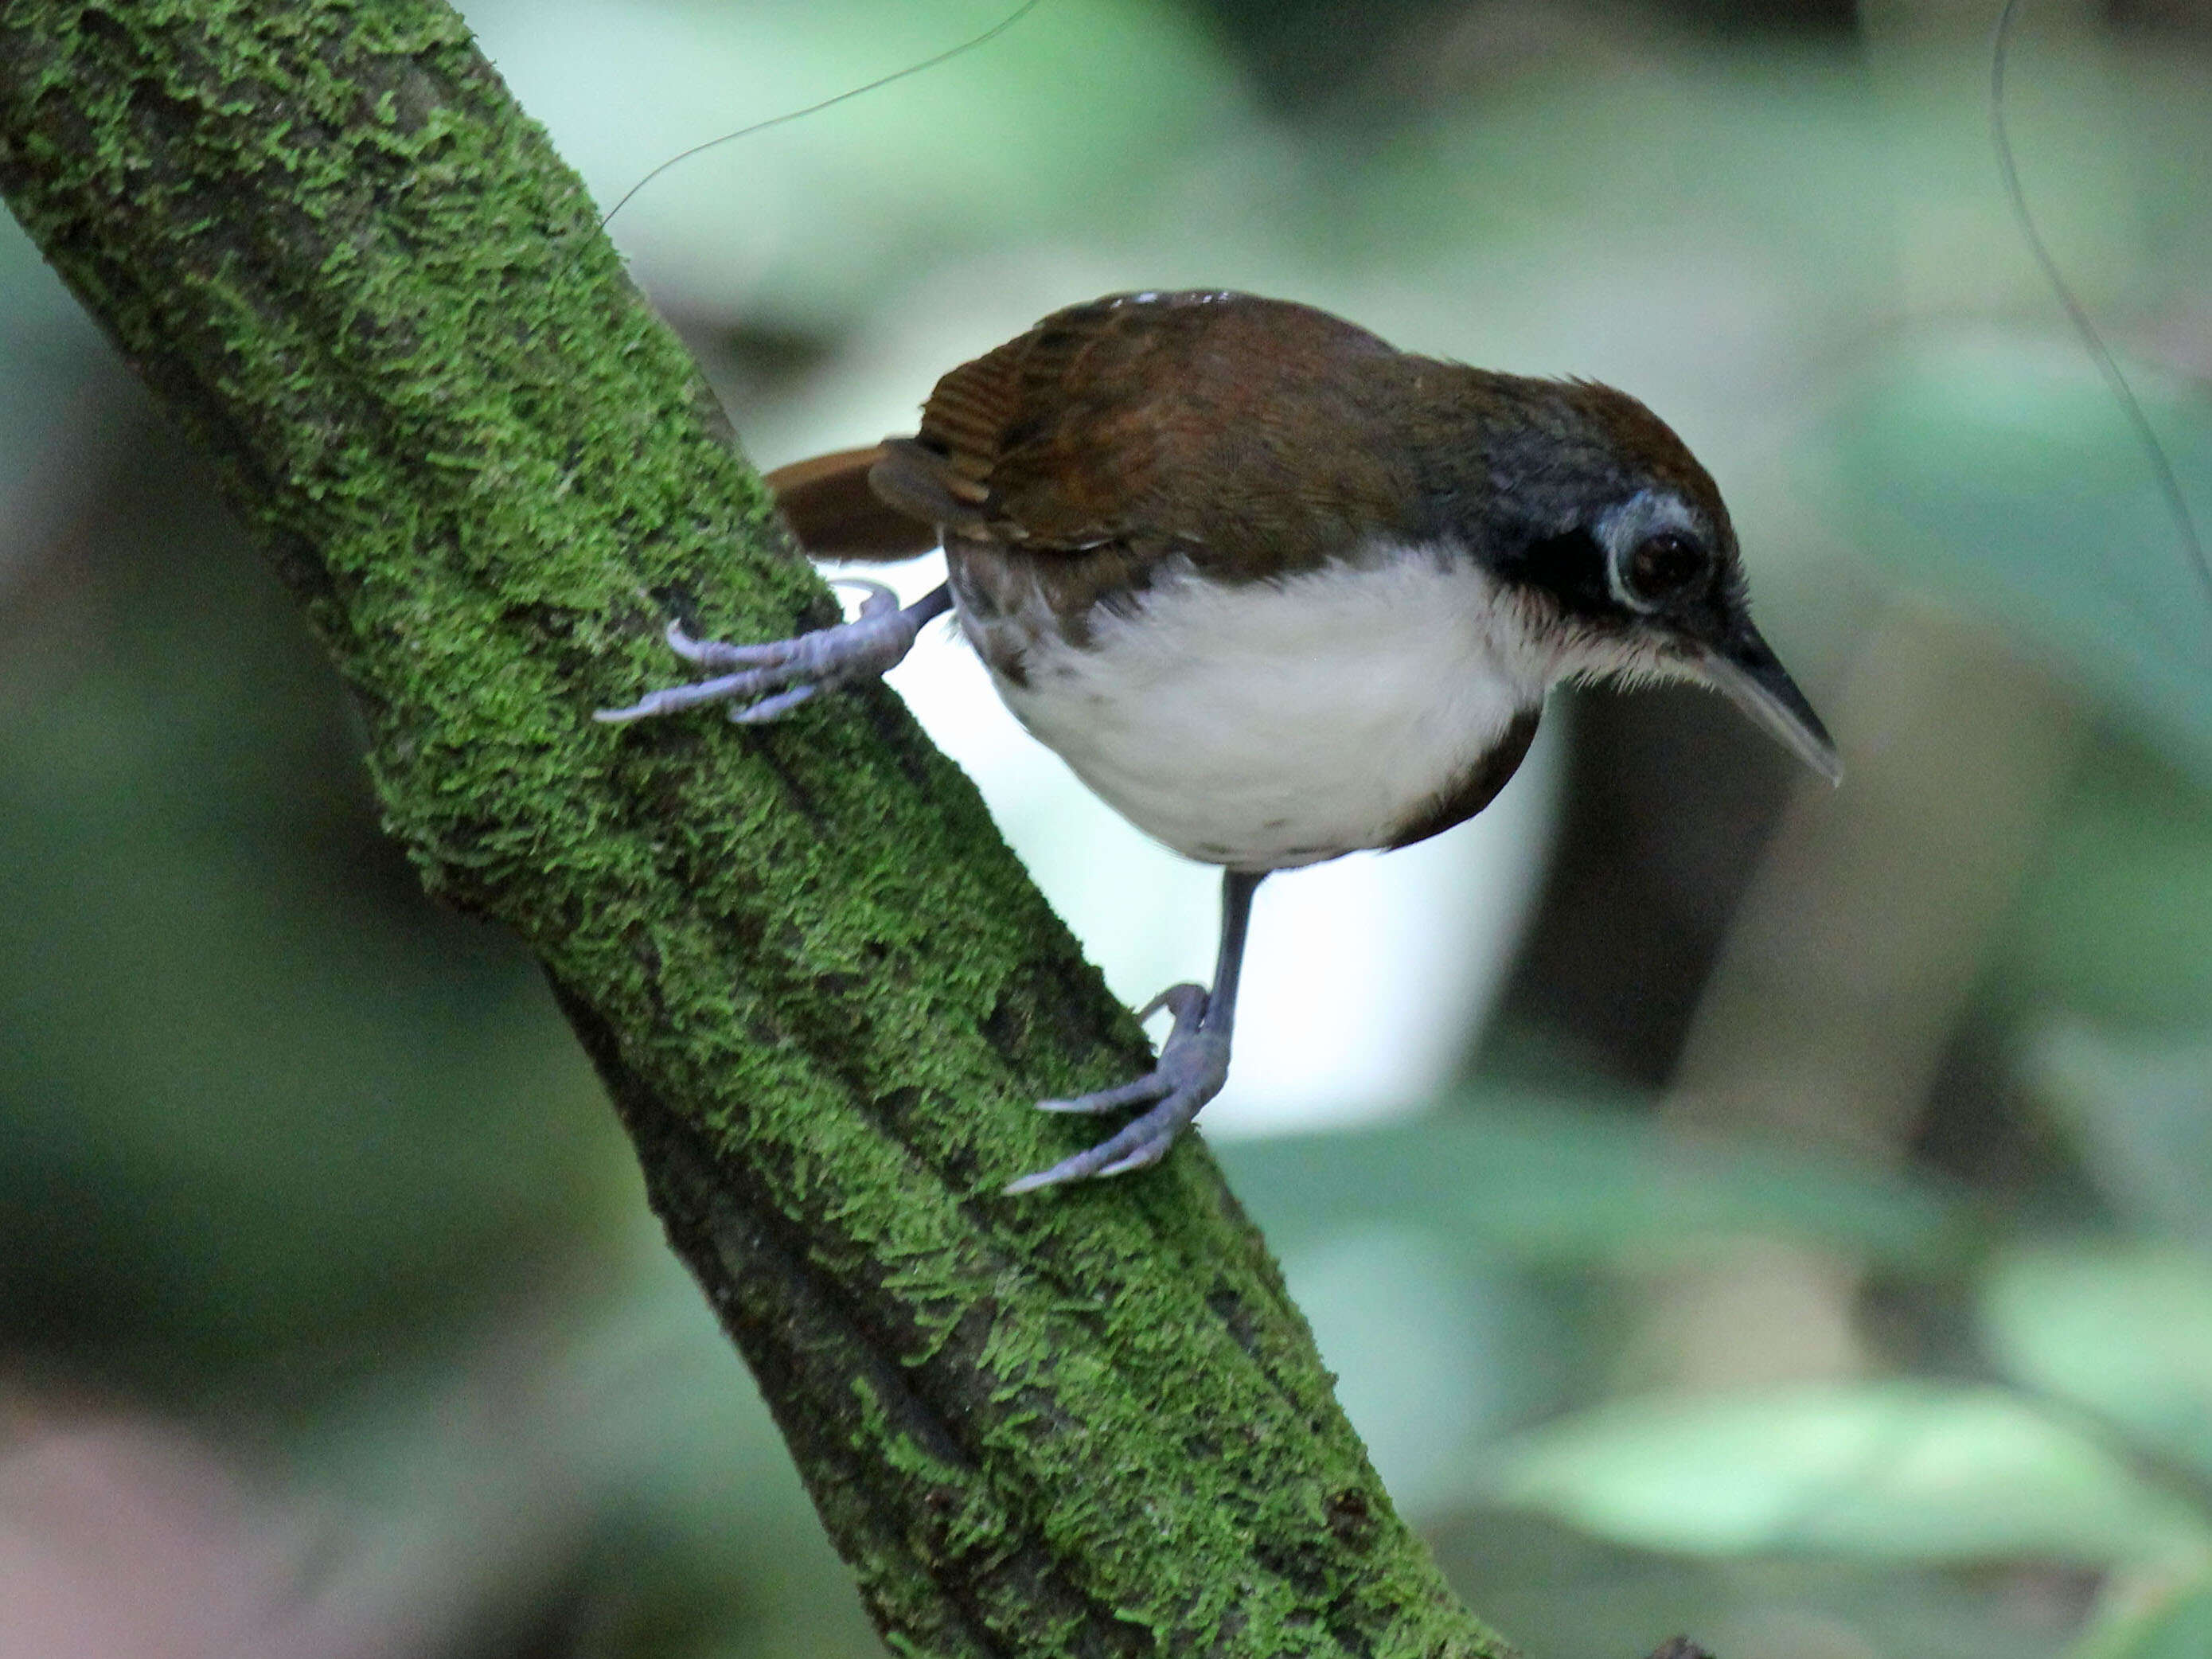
(1627, 577)
(1569, 568)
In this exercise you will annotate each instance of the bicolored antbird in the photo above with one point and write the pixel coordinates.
(1276, 592)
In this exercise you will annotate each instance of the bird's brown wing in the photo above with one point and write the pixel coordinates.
(1154, 423)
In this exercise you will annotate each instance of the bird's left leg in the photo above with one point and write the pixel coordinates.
(774, 678)
(1192, 1066)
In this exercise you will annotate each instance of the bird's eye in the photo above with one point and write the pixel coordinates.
(1665, 566)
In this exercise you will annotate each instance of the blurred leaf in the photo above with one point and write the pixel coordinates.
(2002, 474)
(2139, 1110)
(1582, 1184)
(664, 1415)
(1063, 125)
(2176, 1625)
(1561, 1591)
(699, 1500)
(262, 1103)
(52, 358)
(1915, 1471)
(2123, 1329)
(1433, 1353)
(630, 1398)
(614, 1439)
(2114, 922)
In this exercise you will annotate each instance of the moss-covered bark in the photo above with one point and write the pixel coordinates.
(822, 993)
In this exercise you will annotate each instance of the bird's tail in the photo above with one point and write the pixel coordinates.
(829, 507)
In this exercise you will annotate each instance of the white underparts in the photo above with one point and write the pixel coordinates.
(1265, 725)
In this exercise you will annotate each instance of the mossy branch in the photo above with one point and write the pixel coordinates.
(822, 992)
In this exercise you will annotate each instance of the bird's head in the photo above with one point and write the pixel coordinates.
(1614, 541)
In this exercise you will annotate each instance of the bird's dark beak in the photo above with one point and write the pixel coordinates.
(1754, 680)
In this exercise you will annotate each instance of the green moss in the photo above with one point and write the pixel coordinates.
(822, 993)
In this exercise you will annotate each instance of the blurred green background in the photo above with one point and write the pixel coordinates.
(1732, 1206)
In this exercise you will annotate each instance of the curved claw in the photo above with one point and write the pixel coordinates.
(881, 601)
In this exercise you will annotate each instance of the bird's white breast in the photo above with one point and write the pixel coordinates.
(1264, 725)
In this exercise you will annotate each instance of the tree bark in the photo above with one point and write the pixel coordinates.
(822, 993)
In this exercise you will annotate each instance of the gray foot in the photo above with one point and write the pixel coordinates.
(1192, 1066)
(776, 677)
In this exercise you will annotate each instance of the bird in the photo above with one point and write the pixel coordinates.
(1275, 590)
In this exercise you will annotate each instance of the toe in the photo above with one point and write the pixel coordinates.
(1137, 1145)
(1149, 1087)
(1142, 1157)
(775, 708)
(878, 599)
(713, 654)
(1186, 1002)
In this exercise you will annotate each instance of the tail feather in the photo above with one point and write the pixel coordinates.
(827, 502)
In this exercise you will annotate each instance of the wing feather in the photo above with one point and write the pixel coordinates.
(1156, 423)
